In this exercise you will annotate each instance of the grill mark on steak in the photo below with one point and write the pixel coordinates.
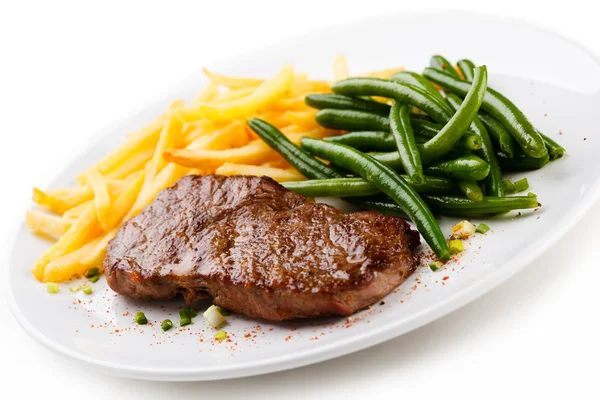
(259, 249)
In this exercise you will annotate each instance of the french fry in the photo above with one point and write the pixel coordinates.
(288, 103)
(102, 199)
(305, 119)
(122, 204)
(255, 152)
(193, 130)
(46, 224)
(95, 257)
(79, 233)
(132, 164)
(70, 265)
(340, 68)
(264, 94)
(75, 212)
(231, 82)
(61, 200)
(207, 94)
(278, 174)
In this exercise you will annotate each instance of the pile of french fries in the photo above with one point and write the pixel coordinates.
(206, 137)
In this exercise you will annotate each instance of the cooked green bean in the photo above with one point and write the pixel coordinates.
(471, 189)
(461, 206)
(321, 101)
(351, 120)
(427, 129)
(405, 141)
(467, 67)
(413, 95)
(412, 78)
(500, 134)
(465, 168)
(306, 164)
(366, 140)
(521, 162)
(440, 63)
(381, 204)
(346, 187)
(390, 183)
(555, 150)
(493, 182)
(499, 107)
(458, 124)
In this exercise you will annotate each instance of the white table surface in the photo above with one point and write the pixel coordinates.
(70, 68)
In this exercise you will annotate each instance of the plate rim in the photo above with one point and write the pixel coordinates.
(339, 347)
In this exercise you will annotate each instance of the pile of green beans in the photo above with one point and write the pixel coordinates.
(447, 156)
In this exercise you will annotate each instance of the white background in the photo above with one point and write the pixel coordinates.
(68, 69)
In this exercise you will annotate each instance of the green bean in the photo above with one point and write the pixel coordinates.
(471, 189)
(465, 168)
(337, 101)
(452, 205)
(499, 133)
(468, 141)
(467, 67)
(412, 78)
(493, 181)
(306, 164)
(351, 120)
(347, 187)
(458, 124)
(413, 95)
(461, 206)
(521, 162)
(366, 140)
(390, 183)
(440, 63)
(555, 150)
(499, 107)
(405, 141)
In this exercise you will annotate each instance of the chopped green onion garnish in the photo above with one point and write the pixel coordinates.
(140, 318)
(74, 289)
(185, 321)
(94, 278)
(52, 287)
(521, 185)
(509, 187)
(87, 289)
(213, 316)
(92, 272)
(436, 265)
(191, 312)
(456, 246)
(224, 312)
(482, 228)
(166, 325)
(220, 335)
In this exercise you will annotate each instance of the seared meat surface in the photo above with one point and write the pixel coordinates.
(259, 249)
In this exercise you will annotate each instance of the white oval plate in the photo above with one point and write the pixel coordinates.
(553, 80)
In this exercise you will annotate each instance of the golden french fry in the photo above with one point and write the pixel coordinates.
(94, 258)
(79, 232)
(136, 162)
(289, 103)
(75, 212)
(255, 152)
(48, 225)
(70, 265)
(340, 68)
(302, 118)
(264, 94)
(102, 198)
(122, 204)
(193, 130)
(207, 94)
(61, 200)
(282, 164)
(231, 82)
(384, 74)
(278, 174)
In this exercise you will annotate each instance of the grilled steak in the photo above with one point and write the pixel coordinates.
(259, 249)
